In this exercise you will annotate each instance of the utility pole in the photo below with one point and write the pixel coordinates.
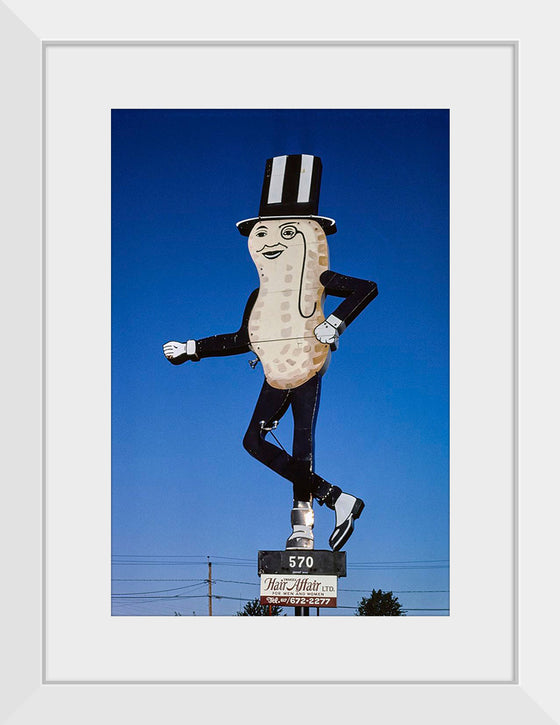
(209, 587)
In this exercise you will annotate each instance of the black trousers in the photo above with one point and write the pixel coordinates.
(298, 467)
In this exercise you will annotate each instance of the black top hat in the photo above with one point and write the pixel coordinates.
(290, 189)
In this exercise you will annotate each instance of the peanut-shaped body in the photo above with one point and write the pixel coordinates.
(290, 256)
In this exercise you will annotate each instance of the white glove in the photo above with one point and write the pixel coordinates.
(327, 334)
(180, 352)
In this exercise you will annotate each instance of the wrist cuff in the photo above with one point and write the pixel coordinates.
(191, 347)
(336, 323)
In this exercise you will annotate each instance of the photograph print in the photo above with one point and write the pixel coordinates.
(280, 362)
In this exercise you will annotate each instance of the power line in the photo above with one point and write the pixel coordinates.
(161, 599)
(160, 591)
(141, 596)
(351, 567)
(406, 561)
(180, 563)
(400, 591)
(341, 589)
(256, 584)
(443, 609)
(180, 556)
(203, 557)
(155, 580)
(398, 567)
(127, 599)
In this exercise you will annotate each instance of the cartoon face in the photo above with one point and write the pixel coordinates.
(270, 239)
(276, 244)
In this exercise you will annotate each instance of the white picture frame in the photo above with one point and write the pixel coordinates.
(529, 695)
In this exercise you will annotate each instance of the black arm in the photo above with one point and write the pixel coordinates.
(358, 293)
(233, 343)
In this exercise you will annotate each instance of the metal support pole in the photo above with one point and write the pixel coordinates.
(209, 588)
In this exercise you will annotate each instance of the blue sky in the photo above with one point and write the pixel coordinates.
(184, 491)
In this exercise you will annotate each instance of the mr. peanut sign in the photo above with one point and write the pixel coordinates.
(285, 327)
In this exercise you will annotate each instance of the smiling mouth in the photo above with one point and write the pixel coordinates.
(273, 251)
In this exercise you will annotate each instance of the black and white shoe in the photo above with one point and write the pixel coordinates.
(347, 509)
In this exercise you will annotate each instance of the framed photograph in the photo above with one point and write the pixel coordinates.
(67, 651)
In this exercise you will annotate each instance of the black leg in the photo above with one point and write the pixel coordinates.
(271, 406)
(305, 406)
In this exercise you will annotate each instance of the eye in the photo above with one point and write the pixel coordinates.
(288, 232)
(261, 234)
